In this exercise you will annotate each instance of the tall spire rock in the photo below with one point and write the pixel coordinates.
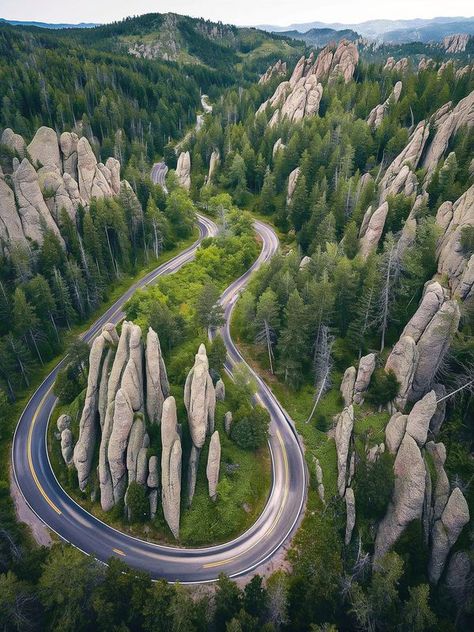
(171, 466)
(157, 385)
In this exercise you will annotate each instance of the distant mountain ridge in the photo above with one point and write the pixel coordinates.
(48, 25)
(391, 30)
(322, 37)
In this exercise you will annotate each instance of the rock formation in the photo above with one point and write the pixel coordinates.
(157, 386)
(13, 141)
(452, 260)
(456, 43)
(292, 179)
(200, 402)
(364, 375)
(447, 121)
(408, 495)
(344, 426)
(347, 385)
(183, 170)
(277, 146)
(228, 422)
(213, 164)
(213, 464)
(350, 514)
(397, 66)
(378, 112)
(44, 149)
(278, 69)
(418, 421)
(446, 531)
(171, 466)
(373, 231)
(67, 446)
(395, 431)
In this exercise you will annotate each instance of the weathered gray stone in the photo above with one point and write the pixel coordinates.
(63, 422)
(418, 421)
(11, 229)
(438, 418)
(153, 500)
(135, 444)
(213, 464)
(68, 143)
(403, 360)
(441, 490)
(432, 301)
(446, 531)
(142, 467)
(14, 141)
(192, 472)
(153, 477)
(91, 180)
(395, 431)
(347, 385)
(84, 449)
(350, 514)
(345, 424)
(220, 391)
(292, 179)
(407, 499)
(67, 446)
(171, 466)
(132, 378)
(44, 148)
(117, 445)
(157, 386)
(183, 170)
(364, 375)
(371, 238)
(200, 398)
(213, 165)
(378, 112)
(103, 385)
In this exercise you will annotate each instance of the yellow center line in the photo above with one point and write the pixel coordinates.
(119, 552)
(30, 460)
(275, 521)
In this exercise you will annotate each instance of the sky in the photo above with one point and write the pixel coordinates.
(241, 12)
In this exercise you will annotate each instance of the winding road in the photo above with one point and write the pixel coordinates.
(41, 490)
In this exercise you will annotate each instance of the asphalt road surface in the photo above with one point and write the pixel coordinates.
(45, 496)
(158, 174)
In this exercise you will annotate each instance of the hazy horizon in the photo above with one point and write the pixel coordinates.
(246, 13)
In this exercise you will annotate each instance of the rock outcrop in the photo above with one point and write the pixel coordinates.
(453, 219)
(213, 165)
(397, 66)
(200, 402)
(292, 180)
(418, 421)
(373, 232)
(345, 424)
(183, 170)
(171, 466)
(44, 149)
(408, 496)
(67, 446)
(447, 122)
(13, 141)
(213, 464)
(377, 114)
(11, 228)
(350, 514)
(456, 43)
(446, 531)
(395, 431)
(364, 375)
(278, 69)
(347, 385)
(157, 385)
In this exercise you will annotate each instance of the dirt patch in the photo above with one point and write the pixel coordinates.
(39, 530)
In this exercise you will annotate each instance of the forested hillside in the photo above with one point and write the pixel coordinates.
(362, 324)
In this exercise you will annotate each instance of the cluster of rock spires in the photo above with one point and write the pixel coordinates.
(277, 70)
(127, 388)
(49, 175)
(301, 95)
(456, 43)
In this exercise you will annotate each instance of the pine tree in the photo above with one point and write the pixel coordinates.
(293, 342)
(267, 321)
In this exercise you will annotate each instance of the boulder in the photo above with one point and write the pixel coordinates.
(213, 464)
(277, 146)
(91, 180)
(418, 421)
(347, 385)
(110, 334)
(345, 424)
(32, 209)
(171, 466)
(11, 229)
(44, 149)
(445, 533)
(157, 385)
(118, 442)
(85, 446)
(305, 261)
(135, 444)
(220, 391)
(68, 143)
(13, 141)
(350, 514)
(63, 422)
(183, 170)
(395, 431)
(374, 230)
(67, 446)
(432, 347)
(364, 375)
(403, 360)
(432, 301)
(200, 398)
(407, 498)
(153, 477)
